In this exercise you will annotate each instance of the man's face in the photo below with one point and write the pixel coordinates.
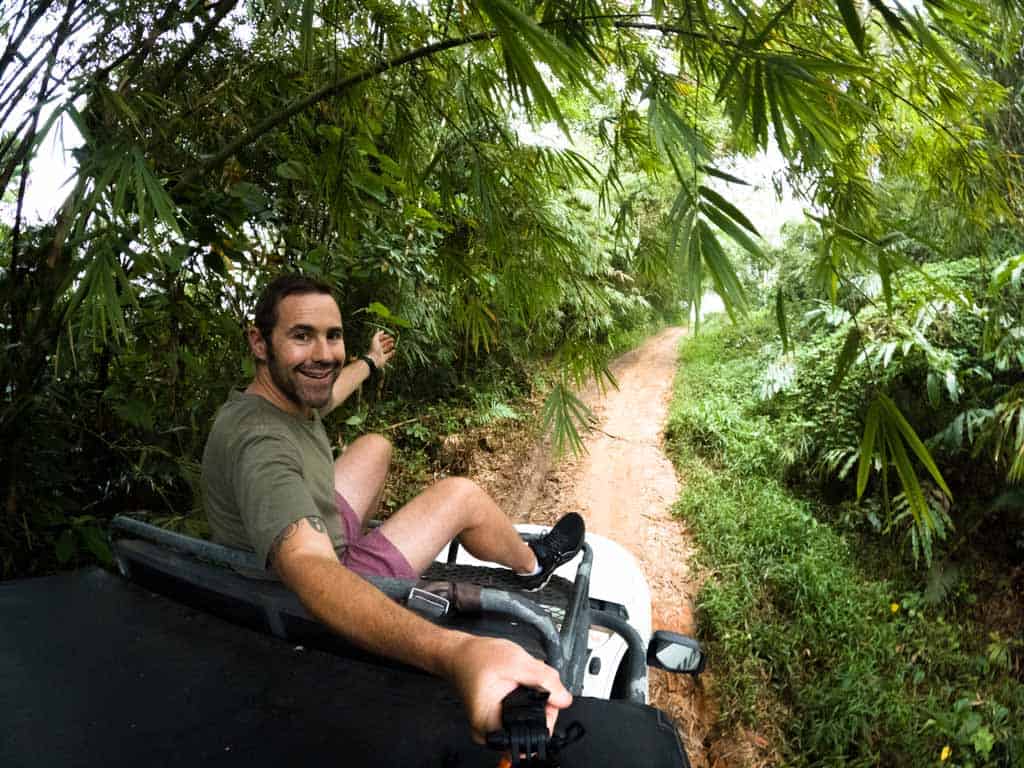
(306, 350)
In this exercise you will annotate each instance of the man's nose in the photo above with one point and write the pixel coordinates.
(321, 349)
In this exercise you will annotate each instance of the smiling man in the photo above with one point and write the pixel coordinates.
(271, 485)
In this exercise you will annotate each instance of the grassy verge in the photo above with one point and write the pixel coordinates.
(805, 638)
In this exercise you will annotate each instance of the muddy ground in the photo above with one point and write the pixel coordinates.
(624, 486)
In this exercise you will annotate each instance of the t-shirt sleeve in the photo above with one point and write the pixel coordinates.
(269, 488)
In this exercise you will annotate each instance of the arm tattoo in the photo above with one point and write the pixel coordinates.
(315, 522)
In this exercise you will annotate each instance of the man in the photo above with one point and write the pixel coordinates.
(270, 484)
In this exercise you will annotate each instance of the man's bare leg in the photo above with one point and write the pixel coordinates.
(360, 472)
(453, 507)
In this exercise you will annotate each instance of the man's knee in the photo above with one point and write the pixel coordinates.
(378, 445)
(458, 489)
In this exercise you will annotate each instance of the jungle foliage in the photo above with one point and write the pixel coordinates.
(822, 642)
(918, 415)
(915, 303)
(377, 145)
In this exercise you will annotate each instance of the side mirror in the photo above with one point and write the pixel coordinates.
(675, 653)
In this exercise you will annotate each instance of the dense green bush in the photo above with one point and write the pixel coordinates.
(855, 668)
(942, 343)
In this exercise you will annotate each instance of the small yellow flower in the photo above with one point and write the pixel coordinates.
(946, 752)
(894, 607)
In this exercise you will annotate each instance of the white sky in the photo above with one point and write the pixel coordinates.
(758, 201)
(52, 168)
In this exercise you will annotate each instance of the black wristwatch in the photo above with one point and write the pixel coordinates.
(369, 362)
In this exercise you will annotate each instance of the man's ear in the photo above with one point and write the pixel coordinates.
(257, 344)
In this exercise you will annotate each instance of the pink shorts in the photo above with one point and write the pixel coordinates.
(369, 554)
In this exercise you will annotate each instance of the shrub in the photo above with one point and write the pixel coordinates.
(855, 669)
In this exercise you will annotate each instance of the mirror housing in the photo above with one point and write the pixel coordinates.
(675, 653)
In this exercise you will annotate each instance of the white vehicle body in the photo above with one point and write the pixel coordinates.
(615, 578)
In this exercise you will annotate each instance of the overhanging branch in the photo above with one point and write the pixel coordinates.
(317, 96)
(618, 21)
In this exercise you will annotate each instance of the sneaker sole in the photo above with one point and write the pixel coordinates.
(551, 573)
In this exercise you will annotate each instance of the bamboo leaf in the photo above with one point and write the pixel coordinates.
(885, 273)
(695, 275)
(758, 115)
(670, 130)
(523, 43)
(894, 21)
(867, 447)
(723, 274)
(780, 318)
(564, 416)
(730, 72)
(852, 22)
(932, 388)
(292, 170)
(738, 107)
(934, 45)
(727, 208)
(161, 201)
(729, 227)
(911, 485)
(773, 106)
(712, 171)
(919, 449)
(681, 216)
(748, 49)
(121, 186)
(846, 357)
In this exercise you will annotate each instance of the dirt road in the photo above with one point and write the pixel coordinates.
(624, 486)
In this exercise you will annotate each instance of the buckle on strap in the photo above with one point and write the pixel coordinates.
(427, 604)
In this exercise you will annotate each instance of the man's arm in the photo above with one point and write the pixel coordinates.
(382, 349)
(484, 670)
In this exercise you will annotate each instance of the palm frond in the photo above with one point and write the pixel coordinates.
(565, 416)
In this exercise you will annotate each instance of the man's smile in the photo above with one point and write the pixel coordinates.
(317, 373)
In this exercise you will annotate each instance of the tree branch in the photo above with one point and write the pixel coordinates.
(221, 10)
(14, 44)
(300, 105)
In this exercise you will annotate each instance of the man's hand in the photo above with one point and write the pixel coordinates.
(382, 348)
(485, 670)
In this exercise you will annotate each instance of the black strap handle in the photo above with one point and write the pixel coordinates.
(524, 730)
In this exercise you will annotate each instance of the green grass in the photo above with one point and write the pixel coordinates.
(802, 634)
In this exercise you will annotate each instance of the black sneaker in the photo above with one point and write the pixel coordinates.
(556, 547)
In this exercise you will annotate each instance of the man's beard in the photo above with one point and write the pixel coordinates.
(298, 388)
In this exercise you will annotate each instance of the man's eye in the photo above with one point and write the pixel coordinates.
(334, 335)
(300, 336)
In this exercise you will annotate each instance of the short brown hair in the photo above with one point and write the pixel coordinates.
(279, 288)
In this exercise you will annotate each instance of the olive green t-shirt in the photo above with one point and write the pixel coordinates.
(263, 469)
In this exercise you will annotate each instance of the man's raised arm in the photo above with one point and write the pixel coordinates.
(484, 670)
(382, 349)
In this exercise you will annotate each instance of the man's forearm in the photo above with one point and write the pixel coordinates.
(351, 376)
(482, 669)
(362, 614)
